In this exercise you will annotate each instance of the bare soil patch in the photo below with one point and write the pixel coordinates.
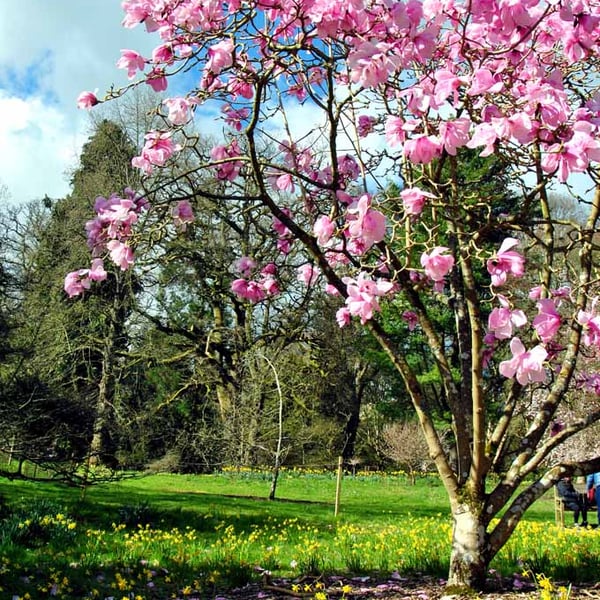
(400, 588)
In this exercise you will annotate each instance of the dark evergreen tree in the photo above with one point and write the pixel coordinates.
(66, 381)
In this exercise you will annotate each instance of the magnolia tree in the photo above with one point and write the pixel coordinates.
(326, 108)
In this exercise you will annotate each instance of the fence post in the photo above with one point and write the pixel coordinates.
(12, 449)
(338, 486)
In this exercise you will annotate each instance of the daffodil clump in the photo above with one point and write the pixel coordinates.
(562, 552)
(148, 562)
(266, 473)
(547, 589)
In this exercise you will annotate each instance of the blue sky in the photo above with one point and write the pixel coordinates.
(50, 51)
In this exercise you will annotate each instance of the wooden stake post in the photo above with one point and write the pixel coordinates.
(338, 485)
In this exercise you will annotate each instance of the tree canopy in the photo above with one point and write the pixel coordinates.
(325, 107)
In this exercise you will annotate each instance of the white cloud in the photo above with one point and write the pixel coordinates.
(37, 145)
(49, 52)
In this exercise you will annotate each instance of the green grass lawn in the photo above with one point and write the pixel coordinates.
(185, 536)
(182, 497)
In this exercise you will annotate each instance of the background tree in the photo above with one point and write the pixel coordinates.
(65, 380)
(405, 445)
(40, 420)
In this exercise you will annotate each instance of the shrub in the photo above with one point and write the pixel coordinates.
(140, 513)
(169, 463)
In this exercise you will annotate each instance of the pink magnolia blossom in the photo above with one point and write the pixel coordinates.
(163, 54)
(348, 167)
(244, 265)
(220, 56)
(344, 197)
(337, 256)
(447, 84)
(278, 225)
(179, 110)
(527, 366)
(366, 224)
(284, 245)
(411, 319)
(343, 316)
(308, 274)
(561, 293)
(240, 87)
(366, 125)
(395, 134)
(574, 155)
(121, 254)
(249, 290)
(502, 320)
(141, 11)
(590, 322)
(490, 342)
(331, 290)
(484, 134)
(454, 134)
(363, 294)
(521, 126)
(535, 293)
(323, 229)
(255, 291)
(132, 61)
(422, 149)
(87, 100)
(371, 63)
(156, 151)
(269, 269)
(437, 264)
(234, 117)
(590, 382)
(77, 282)
(269, 285)
(227, 169)
(413, 200)
(156, 80)
(115, 217)
(547, 322)
(420, 98)
(97, 271)
(483, 80)
(283, 182)
(135, 12)
(182, 213)
(504, 262)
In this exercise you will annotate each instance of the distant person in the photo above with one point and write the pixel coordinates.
(574, 500)
(593, 483)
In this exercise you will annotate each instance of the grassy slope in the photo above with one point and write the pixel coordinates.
(179, 498)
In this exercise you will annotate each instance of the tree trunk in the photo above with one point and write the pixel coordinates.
(223, 388)
(469, 556)
(98, 448)
(351, 429)
(224, 394)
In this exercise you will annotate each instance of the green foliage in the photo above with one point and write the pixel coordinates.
(105, 162)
